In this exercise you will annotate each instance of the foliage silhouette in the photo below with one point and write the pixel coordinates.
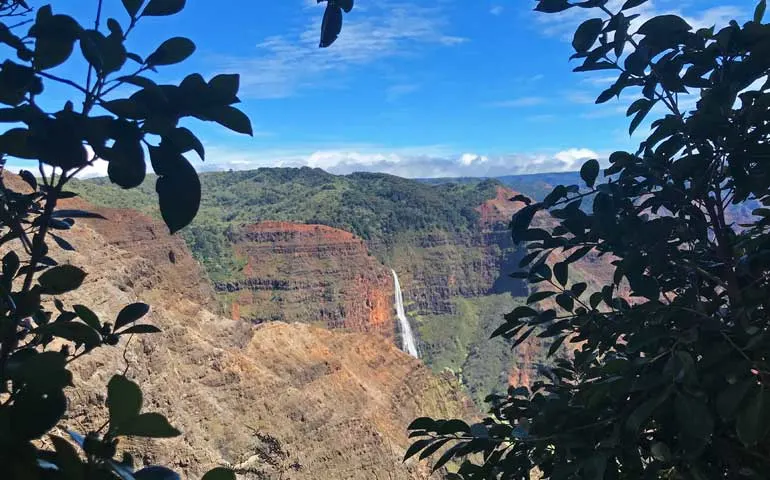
(39, 335)
(669, 373)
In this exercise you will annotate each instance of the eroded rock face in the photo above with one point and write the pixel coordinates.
(339, 402)
(310, 273)
(441, 265)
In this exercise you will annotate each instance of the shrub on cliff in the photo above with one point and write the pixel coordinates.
(117, 113)
(672, 380)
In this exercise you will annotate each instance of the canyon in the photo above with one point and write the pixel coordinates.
(338, 402)
(302, 245)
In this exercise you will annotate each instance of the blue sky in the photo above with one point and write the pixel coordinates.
(411, 87)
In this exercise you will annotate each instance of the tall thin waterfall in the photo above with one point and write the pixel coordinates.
(409, 345)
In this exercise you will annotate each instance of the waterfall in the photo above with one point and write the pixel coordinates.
(408, 344)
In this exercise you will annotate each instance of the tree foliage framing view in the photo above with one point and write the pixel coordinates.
(668, 375)
(40, 336)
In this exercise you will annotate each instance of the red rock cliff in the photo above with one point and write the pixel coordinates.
(310, 273)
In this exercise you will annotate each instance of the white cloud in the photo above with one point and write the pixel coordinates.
(496, 10)
(281, 65)
(411, 162)
(98, 169)
(519, 102)
(581, 97)
(564, 24)
(414, 162)
(394, 92)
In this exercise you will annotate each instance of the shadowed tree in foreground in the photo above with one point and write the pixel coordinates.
(671, 380)
(116, 112)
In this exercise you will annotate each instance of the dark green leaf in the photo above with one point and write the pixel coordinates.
(225, 86)
(219, 473)
(606, 95)
(453, 426)
(633, 4)
(127, 167)
(664, 25)
(731, 398)
(595, 467)
(556, 345)
(346, 5)
(693, 417)
(74, 213)
(125, 108)
(27, 303)
(643, 412)
(150, 425)
(30, 179)
(16, 143)
(132, 6)
(172, 51)
(431, 449)
(61, 279)
(331, 25)
(41, 372)
(448, 455)
(183, 140)
(67, 458)
(579, 288)
(552, 6)
(595, 299)
(131, 313)
(595, 66)
(587, 34)
(539, 296)
(55, 40)
(565, 301)
(88, 316)
(179, 194)
(640, 115)
(140, 329)
(561, 272)
(11, 264)
(589, 172)
(232, 118)
(114, 27)
(422, 423)
(754, 419)
(34, 413)
(124, 401)
(76, 332)
(162, 8)
(416, 447)
(523, 337)
(155, 472)
(521, 198)
(138, 81)
(759, 12)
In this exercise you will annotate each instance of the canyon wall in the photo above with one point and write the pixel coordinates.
(309, 273)
(439, 266)
(339, 402)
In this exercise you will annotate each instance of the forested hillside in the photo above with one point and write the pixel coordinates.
(375, 207)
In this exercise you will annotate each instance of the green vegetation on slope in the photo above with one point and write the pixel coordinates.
(460, 342)
(376, 207)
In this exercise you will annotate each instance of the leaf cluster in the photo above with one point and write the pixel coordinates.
(40, 333)
(668, 372)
